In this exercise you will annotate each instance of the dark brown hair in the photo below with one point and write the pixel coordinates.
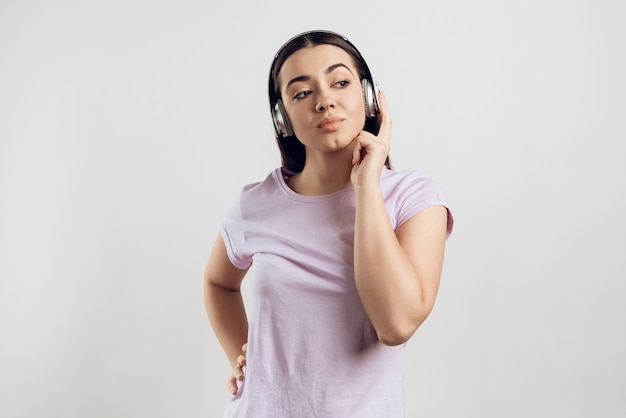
(291, 149)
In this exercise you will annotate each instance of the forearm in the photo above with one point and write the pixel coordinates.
(387, 282)
(228, 318)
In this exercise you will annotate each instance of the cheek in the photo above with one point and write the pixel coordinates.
(358, 105)
(298, 120)
(359, 110)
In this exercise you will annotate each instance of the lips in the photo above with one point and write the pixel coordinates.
(330, 123)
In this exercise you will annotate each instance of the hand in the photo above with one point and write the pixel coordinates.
(237, 374)
(370, 151)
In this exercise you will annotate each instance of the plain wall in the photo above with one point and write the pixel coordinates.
(128, 127)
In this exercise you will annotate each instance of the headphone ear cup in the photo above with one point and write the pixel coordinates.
(370, 96)
(281, 121)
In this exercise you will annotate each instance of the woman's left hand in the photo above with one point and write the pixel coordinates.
(370, 151)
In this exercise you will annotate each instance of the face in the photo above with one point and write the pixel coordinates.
(322, 94)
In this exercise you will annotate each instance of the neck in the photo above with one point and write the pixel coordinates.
(323, 174)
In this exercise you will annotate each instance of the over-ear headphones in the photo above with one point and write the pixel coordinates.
(279, 115)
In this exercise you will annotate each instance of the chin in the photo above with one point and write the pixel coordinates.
(331, 141)
(339, 142)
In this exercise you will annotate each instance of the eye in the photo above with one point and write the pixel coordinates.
(302, 94)
(342, 83)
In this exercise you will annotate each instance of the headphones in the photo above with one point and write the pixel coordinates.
(279, 115)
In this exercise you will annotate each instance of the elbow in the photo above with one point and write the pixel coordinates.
(394, 338)
(400, 332)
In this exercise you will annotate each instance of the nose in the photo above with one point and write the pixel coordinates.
(324, 102)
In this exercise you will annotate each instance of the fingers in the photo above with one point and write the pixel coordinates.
(237, 373)
(236, 376)
(385, 122)
(232, 386)
(365, 144)
(356, 152)
(241, 361)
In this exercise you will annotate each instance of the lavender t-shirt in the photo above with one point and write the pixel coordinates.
(312, 352)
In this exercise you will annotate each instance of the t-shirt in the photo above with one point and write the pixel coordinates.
(312, 351)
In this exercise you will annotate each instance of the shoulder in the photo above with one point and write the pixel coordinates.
(415, 182)
(259, 197)
(270, 183)
(407, 193)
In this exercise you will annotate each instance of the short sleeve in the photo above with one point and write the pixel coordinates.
(233, 234)
(417, 192)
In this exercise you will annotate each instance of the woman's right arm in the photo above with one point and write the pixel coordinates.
(224, 305)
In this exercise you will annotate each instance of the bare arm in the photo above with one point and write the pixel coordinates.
(225, 308)
(397, 272)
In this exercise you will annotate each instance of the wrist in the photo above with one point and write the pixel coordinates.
(368, 188)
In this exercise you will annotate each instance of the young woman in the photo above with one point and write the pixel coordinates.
(344, 255)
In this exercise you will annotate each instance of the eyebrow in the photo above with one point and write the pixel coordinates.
(327, 71)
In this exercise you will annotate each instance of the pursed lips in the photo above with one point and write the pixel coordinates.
(329, 122)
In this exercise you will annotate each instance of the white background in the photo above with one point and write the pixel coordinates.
(127, 128)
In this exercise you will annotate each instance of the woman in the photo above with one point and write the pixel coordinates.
(346, 253)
